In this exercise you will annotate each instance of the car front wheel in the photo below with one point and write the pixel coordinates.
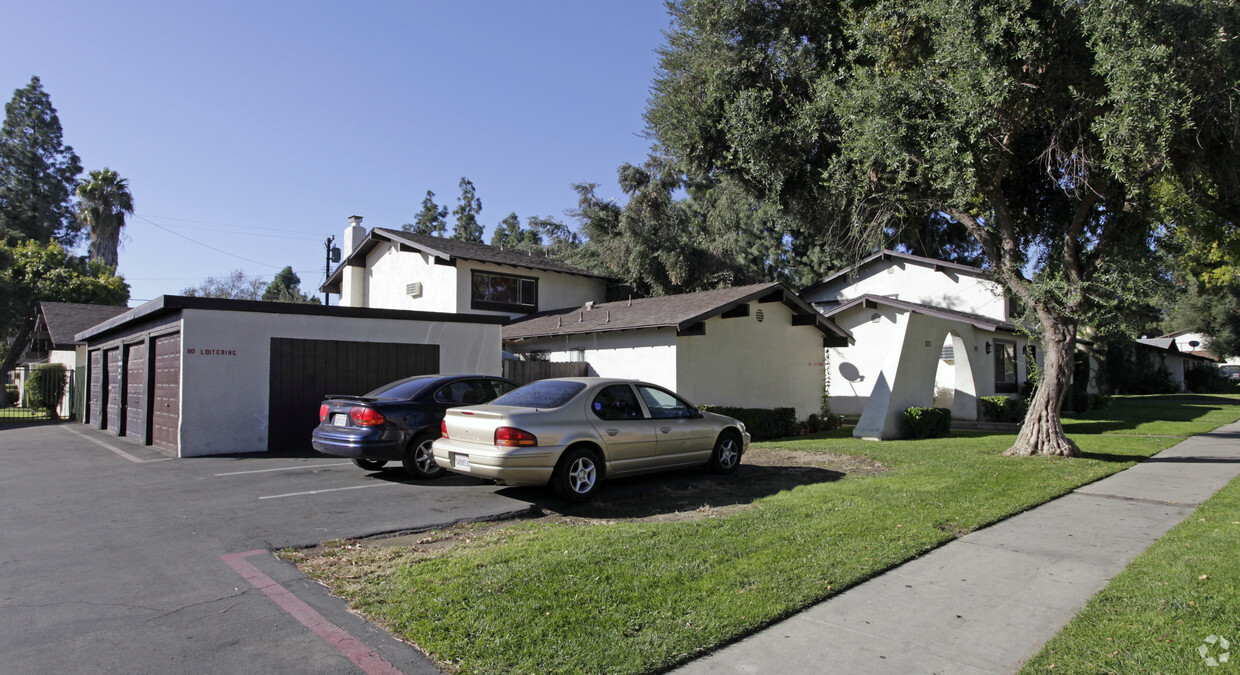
(419, 459)
(576, 477)
(370, 464)
(727, 454)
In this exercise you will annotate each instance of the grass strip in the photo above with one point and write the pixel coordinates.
(1155, 615)
(635, 597)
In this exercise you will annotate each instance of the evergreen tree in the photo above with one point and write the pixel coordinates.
(37, 171)
(467, 226)
(286, 287)
(509, 234)
(432, 219)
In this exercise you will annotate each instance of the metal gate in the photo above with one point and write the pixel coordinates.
(305, 371)
(166, 412)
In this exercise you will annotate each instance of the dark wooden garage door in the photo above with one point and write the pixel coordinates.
(135, 390)
(166, 413)
(112, 389)
(96, 388)
(304, 371)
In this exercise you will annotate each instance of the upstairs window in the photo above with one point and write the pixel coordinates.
(503, 292)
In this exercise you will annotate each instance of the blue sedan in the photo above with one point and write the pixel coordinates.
(400, 420)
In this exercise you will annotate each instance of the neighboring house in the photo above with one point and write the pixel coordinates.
(1197, 344)
(391, 269)
(209, 376)
(754, 346)
(1163, 351)
(927, 333)
(53, 341)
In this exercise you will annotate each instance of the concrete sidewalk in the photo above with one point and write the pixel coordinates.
(988, 601)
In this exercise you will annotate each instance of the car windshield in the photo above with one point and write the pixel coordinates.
(541, 394)
(402, 390)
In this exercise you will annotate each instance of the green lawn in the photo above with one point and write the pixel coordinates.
(636, 597)
(1153, 617)
(23, 415)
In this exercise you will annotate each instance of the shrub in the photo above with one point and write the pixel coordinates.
(927, 422)
(10, 394)
(762, 423)
(45, 387)
(1205, 380)
(1002, 409)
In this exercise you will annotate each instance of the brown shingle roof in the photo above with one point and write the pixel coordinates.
(670, 311)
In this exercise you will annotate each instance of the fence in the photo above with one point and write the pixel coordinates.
(525, 372)
(25, 399)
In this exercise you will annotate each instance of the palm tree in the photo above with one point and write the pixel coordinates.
(105, 200)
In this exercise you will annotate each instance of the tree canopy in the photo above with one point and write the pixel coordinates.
(237, 286)
(286, 287)
(510, 234)
(1047, 130)
(32, 272)
(104, 200)
(467, 227)
(37, 171)
(432, 219)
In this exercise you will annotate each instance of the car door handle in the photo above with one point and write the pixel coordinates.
(612, 432)
(666, 430)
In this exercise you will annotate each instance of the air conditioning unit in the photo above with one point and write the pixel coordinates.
(414, 289)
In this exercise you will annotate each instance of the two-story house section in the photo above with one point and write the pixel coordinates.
(927, 333)
(391, 269)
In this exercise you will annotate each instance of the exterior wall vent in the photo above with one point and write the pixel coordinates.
(414, 290)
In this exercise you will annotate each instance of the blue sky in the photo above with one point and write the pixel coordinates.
(249, 132)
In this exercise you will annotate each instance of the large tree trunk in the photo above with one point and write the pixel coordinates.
(1042, 433)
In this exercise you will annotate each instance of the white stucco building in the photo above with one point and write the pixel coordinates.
(391, 269)
(753, 346)
(52, 341)
(927, 333)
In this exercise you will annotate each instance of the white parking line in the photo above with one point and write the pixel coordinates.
(113, 448)
(319, 492)
(287, 468)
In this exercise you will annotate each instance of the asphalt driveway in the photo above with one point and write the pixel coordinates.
(115, 558)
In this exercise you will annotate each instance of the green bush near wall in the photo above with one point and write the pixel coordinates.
(11, 394)
(761, 423)
(45, 387)
(927, 422)
(1002, 409)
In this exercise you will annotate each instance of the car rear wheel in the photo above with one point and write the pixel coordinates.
(419, 459)
(577, 476)
(727, 454)
(370, 464)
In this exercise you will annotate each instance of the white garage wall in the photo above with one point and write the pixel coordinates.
(225, 381)
(751, 364)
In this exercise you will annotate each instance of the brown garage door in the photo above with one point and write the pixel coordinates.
(112, 389)
(96, 388)
(135, 390)
(166, 413)
(304, 371)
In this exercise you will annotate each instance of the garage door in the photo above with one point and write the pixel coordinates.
(166, 413)
(304, 371)
(112, 389)
(96, 388)
(135, 390)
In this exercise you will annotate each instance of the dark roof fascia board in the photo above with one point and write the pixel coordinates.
(888, 254)
(869, 301)
(167, 304)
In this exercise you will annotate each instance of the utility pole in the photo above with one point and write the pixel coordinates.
(333, 255)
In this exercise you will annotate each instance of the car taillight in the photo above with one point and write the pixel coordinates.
(512, 436)
(366, 417)
(323, 413)
(443, 428)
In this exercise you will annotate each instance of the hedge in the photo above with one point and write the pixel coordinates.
(927, 422)
(761, 423)
(1003, 409)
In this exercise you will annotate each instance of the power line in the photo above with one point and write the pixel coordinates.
(217, 250)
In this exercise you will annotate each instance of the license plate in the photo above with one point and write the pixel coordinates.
(460, 461)
(340, 420)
